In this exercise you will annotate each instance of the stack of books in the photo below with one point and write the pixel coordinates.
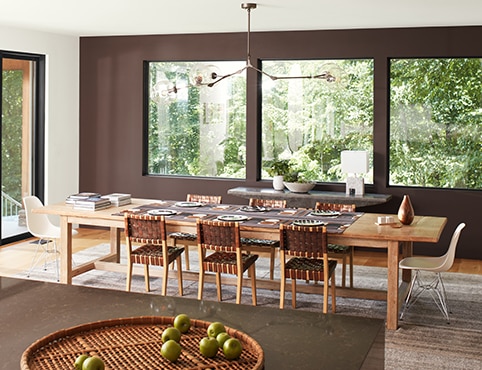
(118, 199)
(92, 203)
(71, 199)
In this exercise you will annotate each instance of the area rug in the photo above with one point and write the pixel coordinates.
(424, 340)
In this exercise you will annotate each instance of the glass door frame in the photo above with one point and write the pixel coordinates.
(37, 155)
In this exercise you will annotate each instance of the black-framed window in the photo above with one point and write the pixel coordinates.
(435, 123)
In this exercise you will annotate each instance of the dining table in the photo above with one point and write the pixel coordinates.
(357, 229)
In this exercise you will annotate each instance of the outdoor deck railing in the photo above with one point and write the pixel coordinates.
(10, 206)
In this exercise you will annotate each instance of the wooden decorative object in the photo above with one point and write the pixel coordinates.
(406, 213)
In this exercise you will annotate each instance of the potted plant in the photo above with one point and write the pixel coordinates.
(277, 170)
(296, 182)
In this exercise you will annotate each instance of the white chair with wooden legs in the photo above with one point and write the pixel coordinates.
(40, 226)
(150, 232)
(340, 251)
(264, 245)
(220, 251)
(435, 265)
(189, 239)
(306, 248)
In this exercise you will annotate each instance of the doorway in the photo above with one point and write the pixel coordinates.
(22, 133)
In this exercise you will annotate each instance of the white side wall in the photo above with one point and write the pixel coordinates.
(62, 104)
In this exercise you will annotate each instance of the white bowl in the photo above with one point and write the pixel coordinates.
(299, 187)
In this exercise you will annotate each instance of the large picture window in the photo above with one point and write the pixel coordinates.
(308, 122)
(195, 131)
(435, 122)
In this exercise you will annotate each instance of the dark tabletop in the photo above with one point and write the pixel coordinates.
(291, 339)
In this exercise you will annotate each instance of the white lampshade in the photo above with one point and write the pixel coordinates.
(354, 161)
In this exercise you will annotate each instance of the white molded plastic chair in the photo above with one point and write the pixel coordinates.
(436, 265)
(39, 225)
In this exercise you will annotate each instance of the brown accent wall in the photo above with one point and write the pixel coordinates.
(111, 111)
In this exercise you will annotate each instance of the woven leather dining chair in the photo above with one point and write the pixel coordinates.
(306, 248)
(150, 232)
(435, 265)
(220, 251)
(340, 251)
(189, 239)
(264, 245)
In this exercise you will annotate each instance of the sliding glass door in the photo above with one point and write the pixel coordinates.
(22, 123)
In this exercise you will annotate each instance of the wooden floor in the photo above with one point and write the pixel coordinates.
(17, 257)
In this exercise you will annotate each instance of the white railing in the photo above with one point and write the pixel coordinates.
(10, 206)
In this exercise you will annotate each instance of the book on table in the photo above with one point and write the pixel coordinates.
(118, 199)
(93, 203)
(71, 199)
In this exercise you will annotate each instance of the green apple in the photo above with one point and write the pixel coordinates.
(182, 322)
(79, 361)
(208, 347)
(232, 349)
(171, 350)
(215, 328)
(93, 363)
(221, 338)
(171, 333)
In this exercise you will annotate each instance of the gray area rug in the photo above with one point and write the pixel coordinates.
(423, 341)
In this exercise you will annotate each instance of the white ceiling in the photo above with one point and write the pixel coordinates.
(130, 17)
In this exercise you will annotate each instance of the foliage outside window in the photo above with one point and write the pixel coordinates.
(435, 122)
(197, 131)
(309, 122)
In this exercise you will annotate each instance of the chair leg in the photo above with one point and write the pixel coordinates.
(179, 275)
(129, 276)
(333, 293)
(282, 290)
(218, 286)
(253, 284)
(343, 271)
(201, 283)
(186, 258)
(325, 296)
(146, 277)
(293, 293)
(271, 263)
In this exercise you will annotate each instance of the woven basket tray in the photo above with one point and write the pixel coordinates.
(134, 343)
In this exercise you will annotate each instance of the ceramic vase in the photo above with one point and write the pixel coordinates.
(405, 212)
(278, 183)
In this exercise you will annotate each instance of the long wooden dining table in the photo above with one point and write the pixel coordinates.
(355, 229)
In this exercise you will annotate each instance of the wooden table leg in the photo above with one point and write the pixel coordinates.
(115, 242)
(65, 251)
(392, 286)
(407, 251)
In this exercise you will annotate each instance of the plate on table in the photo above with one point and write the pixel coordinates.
(253, 209)
(232, 218)
(325, 213)
(308, 223)
(161, 212)
(188, 204)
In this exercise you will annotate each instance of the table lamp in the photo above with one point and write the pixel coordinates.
(354, 162)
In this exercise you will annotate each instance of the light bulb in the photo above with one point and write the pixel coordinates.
(204, 75)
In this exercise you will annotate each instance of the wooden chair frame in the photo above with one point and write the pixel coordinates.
(188, 240)
(302, 244)
(223, 240)
(340, 252)
(150, 232)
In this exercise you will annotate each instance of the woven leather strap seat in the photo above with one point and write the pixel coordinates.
(226, 262)
(152, 254)
(308, 269)
(260, 242)
(183, 236)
